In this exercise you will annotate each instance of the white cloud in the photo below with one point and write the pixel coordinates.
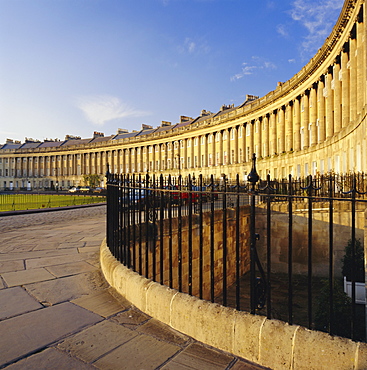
(318, 17)
(256, 64)
(191, 46)
(281, 29)
(100, 109)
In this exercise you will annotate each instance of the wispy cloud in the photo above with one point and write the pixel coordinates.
(256, 64)
(282, 30)
(100, 109)
(190, 46)
(318, 17)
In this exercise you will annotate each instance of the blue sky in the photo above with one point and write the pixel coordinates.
(78, 66)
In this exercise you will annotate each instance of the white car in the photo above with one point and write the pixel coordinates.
(73, 190)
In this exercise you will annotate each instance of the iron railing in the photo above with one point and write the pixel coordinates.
(216, 239)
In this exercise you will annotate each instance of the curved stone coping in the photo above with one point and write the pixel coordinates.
(270, 343)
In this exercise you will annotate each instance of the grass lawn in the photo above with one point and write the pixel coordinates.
(17, 202)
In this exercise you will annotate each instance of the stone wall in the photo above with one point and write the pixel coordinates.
(320, 236)
(171, 242)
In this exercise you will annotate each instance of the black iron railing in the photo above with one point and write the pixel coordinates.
(219, 240)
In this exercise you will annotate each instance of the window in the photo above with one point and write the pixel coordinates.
(196, 141)
(248, 130)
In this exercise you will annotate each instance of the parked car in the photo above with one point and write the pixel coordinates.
(74, 189)
(99, 190)
(85, 189)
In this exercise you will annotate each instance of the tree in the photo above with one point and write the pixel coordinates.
(92, 180)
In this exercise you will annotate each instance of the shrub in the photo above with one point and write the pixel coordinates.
(358, 266)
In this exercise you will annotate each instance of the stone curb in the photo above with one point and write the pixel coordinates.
(269, 343)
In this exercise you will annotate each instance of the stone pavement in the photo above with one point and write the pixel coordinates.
(57, 312)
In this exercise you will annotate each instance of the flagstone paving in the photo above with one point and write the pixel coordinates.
(57, 311)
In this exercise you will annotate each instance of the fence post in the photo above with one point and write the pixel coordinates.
(253, 178)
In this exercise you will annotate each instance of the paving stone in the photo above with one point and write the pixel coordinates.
(16, 301)
(96, 341)
(2, 283)
(101, 303)
(66, 288)
(70, 269)
(10, 266)
(130, 318)
(26, 277)
(25, 334)
(36, 254)
(53, 261)
(142, 352)
(164, 332)
(71, 244)
(196, 356)
(50, 359)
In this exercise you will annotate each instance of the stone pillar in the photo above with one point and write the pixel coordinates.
(329, 104)
(229, 153)
(281, 129)
(345, 74)
(235, 144)
(250, 142)
(313, 114)
(243, 142)
(273, 131)
(353, 74)
(288, 127)
(297, 123)
(266, 136)
(361, 61)
(305, 119)
(337, 96)
(206, 151)
(321, 110)
(257, 137)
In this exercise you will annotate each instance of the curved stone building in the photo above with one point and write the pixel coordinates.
(313, 123)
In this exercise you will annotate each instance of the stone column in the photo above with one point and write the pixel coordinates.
(235, 144)
(353, 74)
(345, 74)
(321, 110)
(257, 137)
(273, 133)
(281, 129)
(361, 62)
(229, 154)
(329, 104)
(305, 119)
(289, 127)
(250, 142)
(337, 96)
(243, 143)
(313, 114)
(266, 136)
(297, 124)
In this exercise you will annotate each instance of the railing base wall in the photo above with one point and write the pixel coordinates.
(270, 343)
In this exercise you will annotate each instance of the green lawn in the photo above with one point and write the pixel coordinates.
(16, 202)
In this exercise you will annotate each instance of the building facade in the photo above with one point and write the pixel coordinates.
(313, 123)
